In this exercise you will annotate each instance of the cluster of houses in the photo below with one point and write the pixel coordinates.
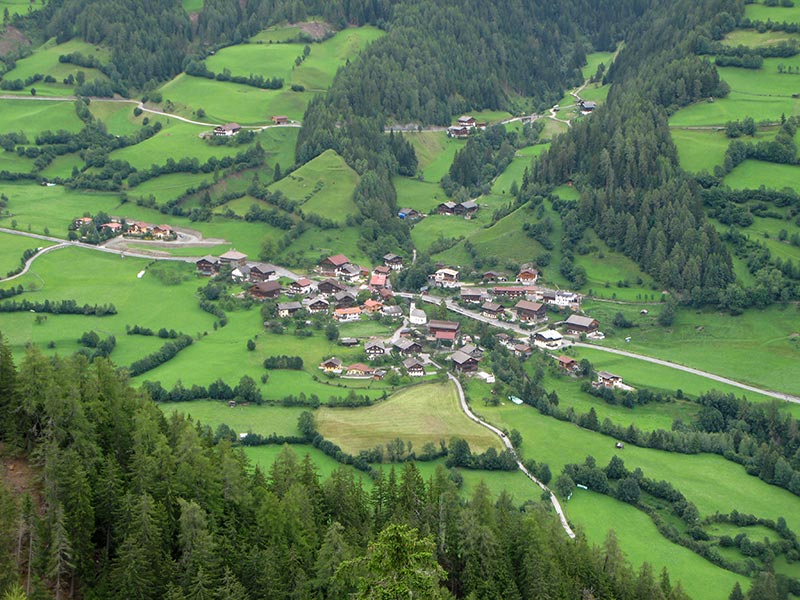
(465, 209)
(527, 276)
(604, 379)
(464, 127)
(119, 226)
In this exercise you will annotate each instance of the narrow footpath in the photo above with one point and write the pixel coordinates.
(467, 411)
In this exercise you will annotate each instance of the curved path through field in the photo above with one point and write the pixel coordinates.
(679, 367)
(467, 411)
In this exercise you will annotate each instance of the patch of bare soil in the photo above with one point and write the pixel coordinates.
(12, 39)
(17, 474)
(317, 30)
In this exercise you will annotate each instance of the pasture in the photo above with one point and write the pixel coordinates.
(35, 116)
(596, 514)
(735, 107)
(422, 413)
(62, 166)
(118, 116)
(514, 171)
(12, 247)
(558, 443)
(767, 81)
(422, 196)
(593, 61)
(277, 34)
(264, 420)
(596, 92)
(323, 186)
(754, 39)
(12, 162)
(264, 456)
(316, 243)
(435, 152)
(16, 7)
(700, 150)
(752, 174)
(169, 187)
(760, 12)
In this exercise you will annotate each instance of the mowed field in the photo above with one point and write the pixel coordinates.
(736, 106)
(752, 174)
(423, 413)
(758, 11)
(34, 116)
(264, 420)
(12, 247)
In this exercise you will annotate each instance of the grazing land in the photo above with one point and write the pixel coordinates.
(752, 174)
(264, 420)
(36, 117)
(419, 414)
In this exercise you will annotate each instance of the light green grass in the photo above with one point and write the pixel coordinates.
(734, 347)
(641, 542)
(264, 420)
(62, 166)
(514, 171)
(420, 414)
(12, 247)
(763, 82)
(435, 152)
(264, 456)
(278, 33)
(433, 227)
(118, 116)
(605, 267)
(323, 186)
(700, 150)
(596, 92)
(736, 106)
(593, 60)
(16, 7)
(169, 187)
(754, 39)
(552, 128)
(567, 192)
(771, 227)
(34, 116)
(752, 174)
(422, 196)
(12, 162)
(191, 6)
(760, 12)
(558, 443)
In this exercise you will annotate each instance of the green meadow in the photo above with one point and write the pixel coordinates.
(277, 33)
(44, 60)
(323, 186)
(768, 231)
(760, 12)
(35, 116)
(552, 128)
(435, 152)
(596, 514)
(62, 166)
(12, 162)
(264, 456)
(264, 420)
(605, 268)
(596, 92)
(558, 443)
(12, 247)
(118, 117)
(192, 6)
(514, 171)
(721, 344)
(422, 196)
(755, 39)
(736, 106)
(16, 7)
(314, 244)
(700, 150)
(752, 174)
(169, 187)
(593, 61)
(423, 413)
(764, 82)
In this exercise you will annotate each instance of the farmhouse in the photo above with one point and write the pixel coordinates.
(512, 291)
(577, 324)
(493, 276)
(332, 365)
(446, 278)
(472, 295)
(359, 370)
(417, 316)
(467, 208)
(280, 120)
(393, 312)
(318, 305)
(344, 299)
(393, 261)
(463, 361)
(241, 273)
(606, 379)
(549, 339)
(565, 299)
(227, 129)
(567, 363)
(528, 311)
(265, 289)
(381, 270)
(348, 341)
(329, 287)
(406, 347)
(385, 294)
(81, 221)
(139, 229)
(527, 276)
(472, 350)
(330, 265)
(260, 271)
(455, 131)
(467, 121)
(374, 349)
(377, 282)
(301, 287)
(414, 367)
(372, 306)
(493, 310)
(163, 232)
(349, 272)
(408, 214)
(232, 257)
(344, 315)
(287, 309)
(588, 106)
(446, 208)
(113, 228)
(522, 351)
(436, 326)
(208, 265)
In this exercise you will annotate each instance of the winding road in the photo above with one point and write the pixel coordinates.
(553, 499)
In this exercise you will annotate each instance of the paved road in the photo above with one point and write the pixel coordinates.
(467, 411)
(29, 262)
(706, 374)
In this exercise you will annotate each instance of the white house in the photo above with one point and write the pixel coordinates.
(446, 278)
(417, 316)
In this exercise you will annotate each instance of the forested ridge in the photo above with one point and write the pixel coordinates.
(130, 503)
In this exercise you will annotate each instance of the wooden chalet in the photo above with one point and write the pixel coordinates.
(463, 361)
(344, 299)
(377, 282)
(493, 276)
(467, 121)
(466, 209)
(522, 350)
(527, 276)
(577, 324)
(228, 129)
(265, 289)
(260, 271)
(332, 365)
(163, 232)
(414, 367)
(113, 228)
(446, 278)
(301, 287)
(549, 338)
(349, 272)
(318, 305)
(393, 261)
(330, 265)
(375, 349)
(287, 309)
(329, 287)
(446, 208)
(280, 119)
(348, 342)
(528, 311)
(472, 295)
(208, 265)
(358, 370)
(232, 257)
(567, 363)
(407, 347)
(372, 306)
(492, 310)
(608, 380)
(455, 131)
(408, 214)
(392, 311)
(382, 270)
(511, 291)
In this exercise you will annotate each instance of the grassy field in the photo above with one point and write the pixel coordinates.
(420, 414)
(736, 106)
(558, 443)
(766, 81)
(11, 249)
(514, 171)
(724, 345)
(169, 187)
(33, 117)
(760, 12)
(44, 60)
(118, 117)
(62, 166)
(605, 268)
(422, 196)
(16, 7)
(264, 456)
(752, 174)
(641, 542)
(191, 6)
(323, 186)
(264, 420)
(593, 60)
(11, 161)
(700, 150)
(435, 152)
(754, 39)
